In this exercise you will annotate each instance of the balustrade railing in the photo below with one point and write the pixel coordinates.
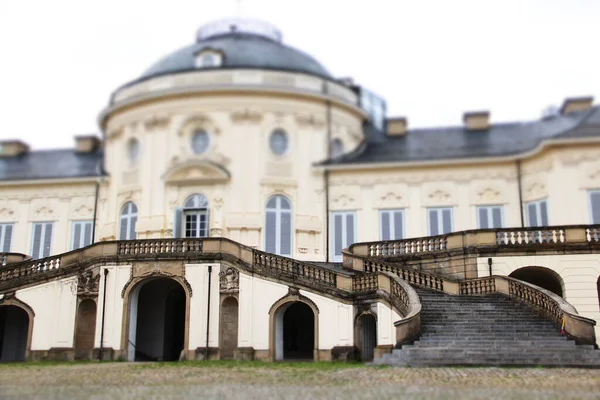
(159, 246)
(419, 278)
(400, 297)
(537, 299)
(29, 268)
(408, 246)
(282, 266)
(486, 285)
(530, 236)
(364, 283)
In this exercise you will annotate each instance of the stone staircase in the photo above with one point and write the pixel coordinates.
(490, 330)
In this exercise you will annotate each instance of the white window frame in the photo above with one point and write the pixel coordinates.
(591, 206)
(440, 219)
(196, 206)
(82, 238)
(345, 244)
(278, 225)
(538, 212)
(128, 217)
(3, 227)
(490, 216)
(41, 253)
(216, 59)
(393, 233)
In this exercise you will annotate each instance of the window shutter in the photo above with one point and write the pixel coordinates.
(398, 225)
(47, 239)
(285, 230)
(349, 230)
(483, 218)
(76, 235)
(132, 223)
(337, 234)
(271, 232)
(87, 234)
(497, 217)
(544, 213)
(177, 220)
(7, 238)
(433, 222)
(123, 229)
(595, 200)
(37, 239)
(203, 221)
(385, 226)
(447, 219)
(532, 214)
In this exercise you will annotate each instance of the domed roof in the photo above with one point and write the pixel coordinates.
(244, 44)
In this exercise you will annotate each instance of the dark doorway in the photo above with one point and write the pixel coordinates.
(14, 331)
(86, 329)
(368, 336)
(160, 321)
(298, 332)
(229, 328)
(540, 276)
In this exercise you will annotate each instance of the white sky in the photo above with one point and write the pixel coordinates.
(431, 60)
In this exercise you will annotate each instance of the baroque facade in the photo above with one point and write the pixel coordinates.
(240, 166)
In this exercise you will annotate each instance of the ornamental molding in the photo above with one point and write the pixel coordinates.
(88, 283)
(229, 280)
(157, 122)
(293, 295)
(343, 200)
(194, 172)
(82, 210)
(489, 195)
(535, 191)
(44, 212)
(7, 213)
(310, 120)
(246, 115)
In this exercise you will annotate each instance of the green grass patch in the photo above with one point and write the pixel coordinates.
(283, 365)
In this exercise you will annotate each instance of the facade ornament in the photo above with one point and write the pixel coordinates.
(343, 200)
(44, 212)
(88, 283)
(6, 213)
(216, 232)
(246, 115)
(489, 194)
(309, 120)
(229, 280)
(439, 196)
(391, 197)
(292, 291)
(157, 122)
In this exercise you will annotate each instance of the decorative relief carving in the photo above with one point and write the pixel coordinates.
(217, 203)
(6, 213)
(82, 210)
(44, 212)
(489, 195)
(88, 283)
(439, 196)
(229, 280)
(391, 197)
(343, 200)
(303, 250)
(535, 190)
(311, 120)
(216, 232)
(246, 115)
(142, 269)
(157, 122)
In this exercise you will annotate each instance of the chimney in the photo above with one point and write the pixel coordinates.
(13, 148)
(86, 143)
(574, 104)
(477, 120)
(397, 126)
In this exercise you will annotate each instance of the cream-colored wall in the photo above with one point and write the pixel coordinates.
(386, 331)
(197, 276)
(579, 274)
(562, 175)
(63, 203)
(257, 296)
(118, 275)
(54, 305)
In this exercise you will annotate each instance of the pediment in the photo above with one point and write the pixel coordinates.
(196, 172)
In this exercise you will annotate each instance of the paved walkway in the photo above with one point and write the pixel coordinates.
(285, 381)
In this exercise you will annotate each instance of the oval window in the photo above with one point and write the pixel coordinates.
(133, 150)
(279, 141)
(200, 141)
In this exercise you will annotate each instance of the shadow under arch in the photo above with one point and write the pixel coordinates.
(16, 329)
(542, 277)
(365, 332)
(156, 312)
(294, 328)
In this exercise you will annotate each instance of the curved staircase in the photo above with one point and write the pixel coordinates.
(490, 330)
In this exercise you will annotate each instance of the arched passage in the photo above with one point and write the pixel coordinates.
(14, 333)
(540, 276)
(157, 321)
(86, 328)
(228, 328)
(367, 330)
(295, 332)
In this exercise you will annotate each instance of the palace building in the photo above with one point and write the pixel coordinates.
(241, 202)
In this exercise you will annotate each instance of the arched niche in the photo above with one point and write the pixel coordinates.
(542, 277)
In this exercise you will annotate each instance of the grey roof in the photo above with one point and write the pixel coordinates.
(456, 142)
(51, 164)
(241, 50)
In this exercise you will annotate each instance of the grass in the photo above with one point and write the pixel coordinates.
(313, 366)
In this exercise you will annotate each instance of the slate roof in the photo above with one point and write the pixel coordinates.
(241, 50)
(457, 143)
(51, 164)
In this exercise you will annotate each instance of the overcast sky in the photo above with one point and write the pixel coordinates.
(431, 60)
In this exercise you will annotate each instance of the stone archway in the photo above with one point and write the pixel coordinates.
(228, 325)
(15, 332)
(542, 277)
(157, 320)
(85, 330)
(366, 325)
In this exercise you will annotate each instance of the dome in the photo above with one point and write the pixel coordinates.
(243, 44)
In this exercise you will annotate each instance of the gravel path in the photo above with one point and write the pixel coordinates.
(283, 381)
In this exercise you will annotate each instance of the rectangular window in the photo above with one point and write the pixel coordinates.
(196, 224)
(440, 221)
(595, 206)
(392, 224)
(81, 234)
(537, 213)
(5, 237)
(489, 217)
(41, 241)
(344, 232)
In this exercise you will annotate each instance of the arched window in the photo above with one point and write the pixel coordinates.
(278, 227)
(195, 216)
(129, 214)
